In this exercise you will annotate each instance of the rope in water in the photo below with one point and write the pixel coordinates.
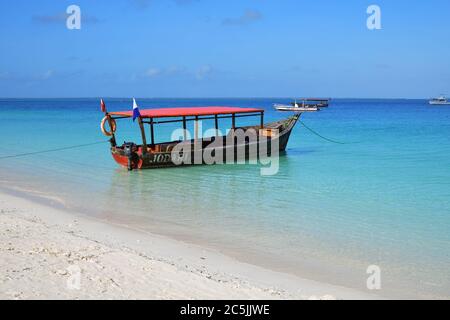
(104, 141)
(52, 150)
(321, 136)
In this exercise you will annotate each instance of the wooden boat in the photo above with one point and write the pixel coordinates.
(260, 140)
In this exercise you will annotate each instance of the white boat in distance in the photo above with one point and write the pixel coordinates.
(296, 107)
(307, 105)
(441, 100)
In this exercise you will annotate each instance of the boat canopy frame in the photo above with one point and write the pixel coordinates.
(225, 113)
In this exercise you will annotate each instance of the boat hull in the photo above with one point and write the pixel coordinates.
(439, 103)
(296, 109)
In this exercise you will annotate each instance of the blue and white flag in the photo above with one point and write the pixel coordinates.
(136, 112)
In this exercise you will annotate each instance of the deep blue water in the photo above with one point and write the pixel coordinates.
(381, 197)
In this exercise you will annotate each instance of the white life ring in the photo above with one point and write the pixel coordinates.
(103, 126)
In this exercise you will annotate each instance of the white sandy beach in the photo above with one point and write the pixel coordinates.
(43, 248)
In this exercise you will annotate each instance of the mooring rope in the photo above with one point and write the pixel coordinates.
(321, 136)
(104, 141)
(52, 150)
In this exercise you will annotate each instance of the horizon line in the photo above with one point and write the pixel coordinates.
(248, 97)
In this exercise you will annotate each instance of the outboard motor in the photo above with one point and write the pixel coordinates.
(130, 149)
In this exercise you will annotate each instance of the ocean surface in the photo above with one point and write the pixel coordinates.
(380, 197)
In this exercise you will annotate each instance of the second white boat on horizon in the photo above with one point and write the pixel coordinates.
(296, 107)
(441, 100)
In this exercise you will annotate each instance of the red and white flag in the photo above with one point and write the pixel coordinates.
(102, 105)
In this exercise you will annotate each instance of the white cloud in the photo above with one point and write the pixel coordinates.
(140, 4)
(175, 70)
(249, 16)
(47, 75)
(153, 72)
(203, 72)
(200, 73)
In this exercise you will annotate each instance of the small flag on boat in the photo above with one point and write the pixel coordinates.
(102, 105)
(136, 112)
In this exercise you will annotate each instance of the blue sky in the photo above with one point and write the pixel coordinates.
(208, 48)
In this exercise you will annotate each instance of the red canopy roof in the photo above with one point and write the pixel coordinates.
(186, 111)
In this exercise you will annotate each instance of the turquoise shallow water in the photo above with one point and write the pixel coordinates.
(330, 212)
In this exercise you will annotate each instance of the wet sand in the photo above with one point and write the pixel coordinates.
(48, 253)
